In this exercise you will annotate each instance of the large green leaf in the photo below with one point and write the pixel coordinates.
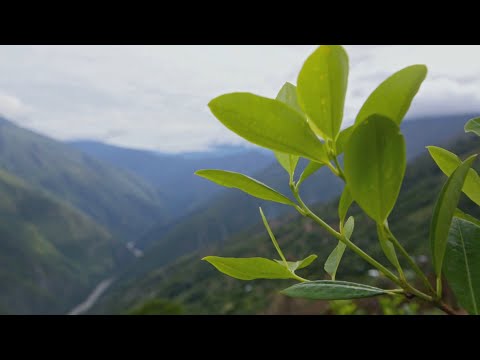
(375, 162)
(322, 86)
(297, 265)
(310, 169)
(462, 264)
(394, 96)
(244, 183)
(332, 290)
(333, 260)
(250, 268)
(444, 210)
(448, 162)
(473, 126)
(268, 123)
(288, 95)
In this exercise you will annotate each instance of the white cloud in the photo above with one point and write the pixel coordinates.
(12, 107)
(155, 97)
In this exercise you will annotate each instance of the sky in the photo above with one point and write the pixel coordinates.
(155, 97)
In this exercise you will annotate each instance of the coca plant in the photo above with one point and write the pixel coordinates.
(305, 121)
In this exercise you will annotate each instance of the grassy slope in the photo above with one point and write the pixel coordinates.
(51, 255)
(203, 290)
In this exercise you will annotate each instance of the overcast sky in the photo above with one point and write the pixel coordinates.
(155, 97)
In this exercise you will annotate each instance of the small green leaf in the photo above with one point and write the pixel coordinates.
(297, 265)
(333, 261)
(448, 162)
(272, 237)
(394, 96)
(462, 264)
(342, 139)
(375, 162)
(250, 268)
(268, 123)
(473, 126)
(310, 169)
(346, 201)
(322, 86)
(444, 210)
(388, 248)
(460, 214)
(332, 290)
(288, 95)
(244, 183)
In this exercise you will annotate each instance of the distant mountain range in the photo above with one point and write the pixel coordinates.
(173, 175)
(122, 202)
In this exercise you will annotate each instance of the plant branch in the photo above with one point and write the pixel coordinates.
(347, 242)
(409, 259)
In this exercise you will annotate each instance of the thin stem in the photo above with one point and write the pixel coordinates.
(299, 278)
(409, 259)
(447, 309)
(339, 168)
(347, 242)
(439, 286)
(333, 169)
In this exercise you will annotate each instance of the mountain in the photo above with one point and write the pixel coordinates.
(173, 175)
(232, 211)
(124, 203)
(51, 254)
(198, 288)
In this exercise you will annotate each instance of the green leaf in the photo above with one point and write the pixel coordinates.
(288, 95)
(322, 86)
(268, 123)
(388, 247)
(473, 126)
(394, 96)
(244, 183)
(332, 290)
(333, 261)
(448, 162)
(342, 139)
(297, 265)
(444, 210)
(249, 268)
(460, 214)
(310, 169)
(272, 237)
(346, 201)
(287, 161)
(375, 162)
(462, 264)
